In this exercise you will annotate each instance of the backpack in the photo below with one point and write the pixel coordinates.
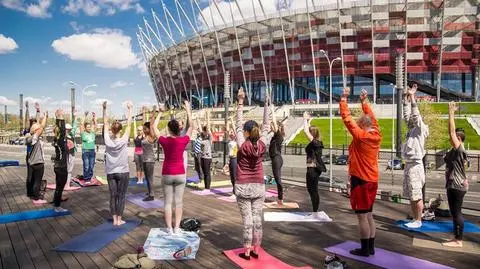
(190, 224)
(131, 261)
(440, 207)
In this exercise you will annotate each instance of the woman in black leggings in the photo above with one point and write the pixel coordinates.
(206, 151)
(60, 161)
(275, 152)
(457, 183)
(315, 165)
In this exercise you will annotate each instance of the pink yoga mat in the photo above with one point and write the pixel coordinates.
(265, 261)
(384, 258)
(213, 191)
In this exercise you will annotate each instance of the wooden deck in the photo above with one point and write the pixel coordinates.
(29, 244)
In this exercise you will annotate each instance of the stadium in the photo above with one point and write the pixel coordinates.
(286, 49)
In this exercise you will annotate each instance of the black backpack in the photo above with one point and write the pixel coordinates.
(190, 224)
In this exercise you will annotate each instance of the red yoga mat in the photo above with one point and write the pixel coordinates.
(53, 186)
(264, 261)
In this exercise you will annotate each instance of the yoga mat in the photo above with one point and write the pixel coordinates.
(439, 227)
(81, 182)
(204, 192)
(384, 258)
(4, 163)
(102, 180)
(53, 186)
(28, 215)
(264, 261)
(296, 217)
(468, 247)
(138, 200)
(213, 184)
(193, 179)
(133, 182)
(162, 246)
(97, 237)
(284, 206)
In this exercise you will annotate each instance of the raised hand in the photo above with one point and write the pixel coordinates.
(413, 90)
(241, 94)
(306, 115)
(186, 105)
(161, 107)
(363, 95)
(346, 92)
(452, 107)
(59, 114)
(37, 106)
(129, 105)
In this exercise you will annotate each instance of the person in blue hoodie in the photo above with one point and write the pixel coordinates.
(413, 151)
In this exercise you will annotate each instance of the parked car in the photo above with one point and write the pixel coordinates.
(341, 160)
(396, 164)
(326, 158)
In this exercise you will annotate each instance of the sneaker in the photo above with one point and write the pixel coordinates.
(60, 210)
(428, 216)
(148, 198)
(39, 202)
(177, 231)
(169, 231)
(414, 224)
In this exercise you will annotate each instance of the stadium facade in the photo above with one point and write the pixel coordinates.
(439, 41)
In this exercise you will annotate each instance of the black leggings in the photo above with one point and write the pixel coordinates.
(34, 180)
(61, 174)
(198, 165)
(277, 163)
(148, 169)
(312, 186)
(455, 200)
(207, 174)
(117, 185)
(232, 169)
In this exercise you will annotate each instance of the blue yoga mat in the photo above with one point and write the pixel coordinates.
(28, 215)
(98, 237)
(4, 163)
(133, 182)
(193, 179)
(439, 227)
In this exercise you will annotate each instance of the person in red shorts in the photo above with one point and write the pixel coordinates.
(363, 168)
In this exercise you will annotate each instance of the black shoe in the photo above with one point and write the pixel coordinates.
(359, 252)
(254, 255)
(244, 256)
(148, 198)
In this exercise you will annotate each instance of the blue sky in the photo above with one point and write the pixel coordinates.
(44, 44)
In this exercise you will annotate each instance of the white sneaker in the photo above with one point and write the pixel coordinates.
(60, 210)
(177, 231)
(170, 231)
(414, 224)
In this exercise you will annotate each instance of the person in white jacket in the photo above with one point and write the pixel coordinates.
(413, 151)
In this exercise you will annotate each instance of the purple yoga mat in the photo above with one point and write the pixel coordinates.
(213, 191)
(384, 258)
(138, 200)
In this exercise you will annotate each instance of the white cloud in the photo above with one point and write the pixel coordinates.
(7, 44)
(61, 103)
(42, 100)
(98, 7)
(77, 28)
(143, 68)
(5, 101)
(37, 9)
(107, 48)
(89, 93)
(120, 84)
(44, 62)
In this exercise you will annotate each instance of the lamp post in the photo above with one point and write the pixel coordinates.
(394, 88)
(330, 64)
(226, 96)
(83, 92)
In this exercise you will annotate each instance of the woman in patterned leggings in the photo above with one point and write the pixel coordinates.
(249, 185)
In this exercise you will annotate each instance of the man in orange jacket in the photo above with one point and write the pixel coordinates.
(363, 168)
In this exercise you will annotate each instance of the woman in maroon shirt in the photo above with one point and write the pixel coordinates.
(249, 185)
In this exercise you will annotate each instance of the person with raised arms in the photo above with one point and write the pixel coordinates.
(116, 162)
(315, 165)
(275, 152)
(71, 131)
(363, 168)
(413, 151)
(206, 151)
(148, 156)
(456, 181)
(249, 185)
(232, 149)
(60, 162)
(138, 151)
(87, 133)
(174, 175)
(36, 160)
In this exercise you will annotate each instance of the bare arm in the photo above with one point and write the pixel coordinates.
(126, 135)
(105, 119)
(39, 132)
(37, 113)
(240, 137)
(274, 118)
(188, 109)
(27, 116)
(452, 107)
(265, 124)
(94, 122)
(154, 126)
(306, 126)
(209, 126)
(82, 123)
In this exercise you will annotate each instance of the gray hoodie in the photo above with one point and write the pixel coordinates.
(414, 147)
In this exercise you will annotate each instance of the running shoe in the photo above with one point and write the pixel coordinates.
(428, 216)
(334, 262)
(177, 231)
(39, 202)
(414, 224)
(60, 210)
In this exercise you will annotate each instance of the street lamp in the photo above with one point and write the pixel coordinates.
(200, 99)
(330, 64)
(394, 88)
(83, 93)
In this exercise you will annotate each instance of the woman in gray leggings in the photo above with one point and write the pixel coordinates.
(249, 185)
(116, 163)
(173, 170)
(148, 153)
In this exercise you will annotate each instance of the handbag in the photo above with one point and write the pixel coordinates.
(131, 261)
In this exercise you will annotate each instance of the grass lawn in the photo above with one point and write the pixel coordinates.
(465, 108)
(161, 125)
(342, 137)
